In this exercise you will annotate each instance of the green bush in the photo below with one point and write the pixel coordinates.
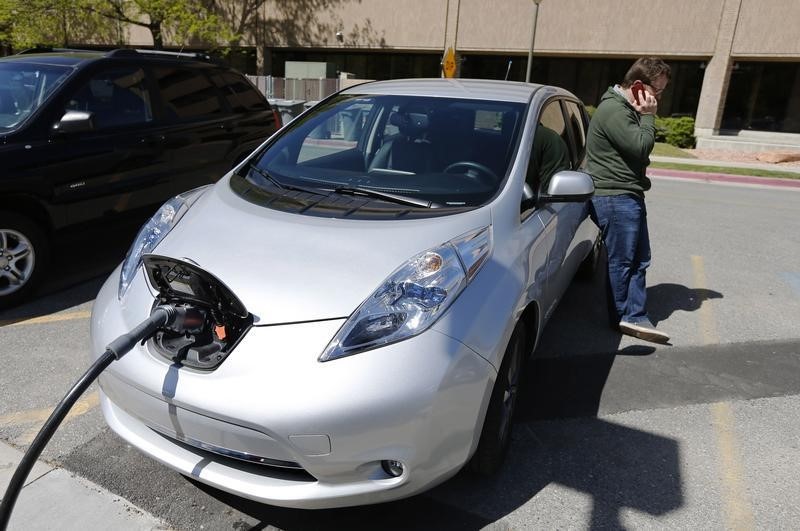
(678, 132)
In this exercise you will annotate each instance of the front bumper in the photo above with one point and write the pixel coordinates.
(315, 433)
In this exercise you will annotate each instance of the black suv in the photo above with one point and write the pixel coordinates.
(86, 135)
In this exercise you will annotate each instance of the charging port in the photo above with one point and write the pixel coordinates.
(213, 321)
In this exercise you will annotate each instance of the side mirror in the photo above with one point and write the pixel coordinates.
(74, 122)
(568, 187)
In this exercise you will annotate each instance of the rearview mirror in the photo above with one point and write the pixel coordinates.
(74, 122)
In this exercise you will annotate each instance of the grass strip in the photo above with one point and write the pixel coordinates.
(698, 168)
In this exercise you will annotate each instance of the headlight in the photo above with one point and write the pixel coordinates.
(151, 234)
(412, 298)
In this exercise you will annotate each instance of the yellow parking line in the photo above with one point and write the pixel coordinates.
(708, 327)
(37, 417)
(738, 511)
(70, 316)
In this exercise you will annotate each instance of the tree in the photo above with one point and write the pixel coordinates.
(29, 23)
(178, 20)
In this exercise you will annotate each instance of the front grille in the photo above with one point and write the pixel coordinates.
(288, 470)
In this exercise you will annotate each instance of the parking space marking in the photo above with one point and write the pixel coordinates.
(56, 317)
(37, 417)
(708, 326)
(738, 510)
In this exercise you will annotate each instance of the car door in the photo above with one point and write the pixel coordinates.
(566, 223)
(200, 136)
(115, 166)
(550, 153)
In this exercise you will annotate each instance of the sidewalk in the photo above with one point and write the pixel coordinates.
(53, 498)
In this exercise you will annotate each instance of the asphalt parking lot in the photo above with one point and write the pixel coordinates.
(612, 432)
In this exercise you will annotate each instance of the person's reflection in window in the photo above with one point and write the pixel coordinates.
(550, 155)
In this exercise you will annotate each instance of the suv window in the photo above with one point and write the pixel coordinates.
(187, 94)
(24, 87)
(240, 94)
(115, 97)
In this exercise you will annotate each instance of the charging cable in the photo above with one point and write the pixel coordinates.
(162, 316)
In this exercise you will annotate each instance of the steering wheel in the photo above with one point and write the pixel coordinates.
(475, 170)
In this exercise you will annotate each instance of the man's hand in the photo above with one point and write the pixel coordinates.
(649, 104)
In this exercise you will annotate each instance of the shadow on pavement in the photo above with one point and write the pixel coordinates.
(665, 299)
(82, 259)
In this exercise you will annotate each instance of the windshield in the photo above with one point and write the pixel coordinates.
(448, 152)
(24, 87)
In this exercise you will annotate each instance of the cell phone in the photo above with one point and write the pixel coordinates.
(637, 89)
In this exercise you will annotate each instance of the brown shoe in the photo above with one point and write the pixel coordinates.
(643, 330)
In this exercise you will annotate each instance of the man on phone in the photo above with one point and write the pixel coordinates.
(620, 138)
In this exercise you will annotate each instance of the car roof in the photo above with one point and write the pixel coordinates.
(479, 89)
(69, 57)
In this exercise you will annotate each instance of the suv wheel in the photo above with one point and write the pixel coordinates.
(23, 254)
(496, 433)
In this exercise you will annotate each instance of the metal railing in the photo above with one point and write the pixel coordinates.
(295, 89)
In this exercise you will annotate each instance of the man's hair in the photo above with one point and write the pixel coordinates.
(647, 69)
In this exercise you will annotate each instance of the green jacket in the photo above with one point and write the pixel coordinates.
(618, 146)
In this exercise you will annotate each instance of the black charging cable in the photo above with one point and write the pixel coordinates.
(161, 317)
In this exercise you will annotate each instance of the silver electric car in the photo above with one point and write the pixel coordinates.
(361, 294)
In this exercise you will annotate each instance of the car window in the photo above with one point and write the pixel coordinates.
(24, 87)
(578, 128)
(450, 151)
(550, 151)
(187, 94)
(239, 92)
(338, 133)
(115, 97)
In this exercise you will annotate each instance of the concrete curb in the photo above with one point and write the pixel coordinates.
(54, 498)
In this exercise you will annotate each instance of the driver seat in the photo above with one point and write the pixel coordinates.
(409, 151)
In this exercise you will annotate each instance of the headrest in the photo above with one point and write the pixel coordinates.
(409, 122)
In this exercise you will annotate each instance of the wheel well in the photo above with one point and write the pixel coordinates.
(530, 319)
(29, 208)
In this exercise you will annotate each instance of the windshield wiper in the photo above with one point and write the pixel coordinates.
(386, 196)
(266, 175)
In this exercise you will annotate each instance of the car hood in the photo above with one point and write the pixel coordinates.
(287, 267)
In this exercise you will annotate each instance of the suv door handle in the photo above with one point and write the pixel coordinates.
(152, 139)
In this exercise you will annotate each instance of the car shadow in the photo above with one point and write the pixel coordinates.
(82, 259)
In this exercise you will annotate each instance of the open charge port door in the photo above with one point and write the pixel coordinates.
(216, 320)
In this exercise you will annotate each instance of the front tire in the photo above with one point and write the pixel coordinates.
(496, 433)
(24, 253)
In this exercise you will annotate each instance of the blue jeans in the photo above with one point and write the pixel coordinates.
(623, 224)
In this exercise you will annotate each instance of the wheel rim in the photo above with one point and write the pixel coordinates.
(511, 386)
(17, 261)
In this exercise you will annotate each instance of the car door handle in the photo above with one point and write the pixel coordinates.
(152, 139)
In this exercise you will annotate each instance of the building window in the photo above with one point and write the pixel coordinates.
(763, 97)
